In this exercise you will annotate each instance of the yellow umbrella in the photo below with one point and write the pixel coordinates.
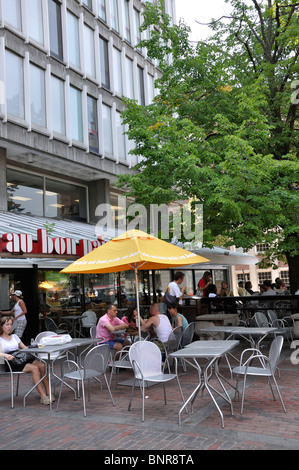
(133, 250)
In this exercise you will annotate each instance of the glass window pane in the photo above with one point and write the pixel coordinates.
(73, 39)
(114, 15)
(137, 26)
(58, 290)
(55, 29)
(107, 126)
(121, 143)
(141, 95)
(37, 96)
(117, 72)
(64, 200)
(14, 85)
(93, 133)
(24, 193)
(76, 114)
(89, 52)
(12, 13)
(35, 20)
(102, 9)
(58, 107)
(129, 78)
(88, 3)
(127, 30)
(104, 61)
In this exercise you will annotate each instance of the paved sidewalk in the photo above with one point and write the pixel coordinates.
(263, 426)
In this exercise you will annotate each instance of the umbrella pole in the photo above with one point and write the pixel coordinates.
(137, 300)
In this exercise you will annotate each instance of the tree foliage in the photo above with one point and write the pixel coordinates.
(223, 127)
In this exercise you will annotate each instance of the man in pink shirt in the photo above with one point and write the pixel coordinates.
(109, 323)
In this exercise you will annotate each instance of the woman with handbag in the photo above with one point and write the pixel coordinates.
(9, 345)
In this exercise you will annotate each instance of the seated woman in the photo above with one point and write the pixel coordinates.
(131, 317)
(10, 343)
(212, 292)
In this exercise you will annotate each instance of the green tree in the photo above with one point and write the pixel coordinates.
(223, 127)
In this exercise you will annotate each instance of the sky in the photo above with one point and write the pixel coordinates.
(202, 11)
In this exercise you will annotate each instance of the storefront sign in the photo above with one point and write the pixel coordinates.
(19, 243)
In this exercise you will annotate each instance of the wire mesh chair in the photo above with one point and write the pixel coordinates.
(94, 367)
(266, 367)
(146, 361)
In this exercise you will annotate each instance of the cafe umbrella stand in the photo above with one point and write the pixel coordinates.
(134, 250)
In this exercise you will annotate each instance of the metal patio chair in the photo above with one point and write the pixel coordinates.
(146, 361)
(94, 366)
(266, 367)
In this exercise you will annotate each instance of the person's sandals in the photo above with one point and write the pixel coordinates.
(45, 400)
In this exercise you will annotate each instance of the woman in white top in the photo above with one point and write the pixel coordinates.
(11, 342)
(19, 311)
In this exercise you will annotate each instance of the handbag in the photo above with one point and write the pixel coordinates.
(168, 299)
(21, 358)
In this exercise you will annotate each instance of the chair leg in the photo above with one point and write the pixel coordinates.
(243, 395)
(280, 397)
(132, 391)
(11, 390)
(142, 400)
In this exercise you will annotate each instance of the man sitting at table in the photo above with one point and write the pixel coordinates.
(109, 324)
(159, 324)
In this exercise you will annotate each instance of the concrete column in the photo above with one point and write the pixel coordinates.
(3, 186)
(98, 193)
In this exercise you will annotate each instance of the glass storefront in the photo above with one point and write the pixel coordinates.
(36, 195)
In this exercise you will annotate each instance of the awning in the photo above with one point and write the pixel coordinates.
(222, 256)
(11, 222)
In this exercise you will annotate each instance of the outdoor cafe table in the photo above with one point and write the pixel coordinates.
(74, 319)
(212, 351)
(254, 335)
(49, 361)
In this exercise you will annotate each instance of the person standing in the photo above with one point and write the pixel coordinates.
(204, 282)
(19, 311)
(173, 287)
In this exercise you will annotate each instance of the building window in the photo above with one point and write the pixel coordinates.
(114, 15)
(92, 115)
(24, 193)
(104, 61)
(263, 276)
(73, 40)
(76, 114)
(12, 13)
(262, 247)
(55, 28)
(126, 15)
(243, 277)
(141, 95)
(58, 105)
(102, 9)
(129, 92)
(35, 20)
(65, 200)
(285, 277)
(88, 4)
(137, 26)
(36, 195)
(151, 87)
(37, 96)
(14, 85)
(107, 128)
(89, 53)
(117, 72)
(121, 142)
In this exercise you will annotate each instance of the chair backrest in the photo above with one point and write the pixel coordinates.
(43, 334)
(274, 352)
(97, 359)
(93, 331)
(148, 357)
(163, 308)
(261, 320)
(174, 339)
(188, 334)
(272, 317)
(88, 318)
(50, 324)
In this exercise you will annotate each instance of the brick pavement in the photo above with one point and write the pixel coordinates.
(263, 426)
